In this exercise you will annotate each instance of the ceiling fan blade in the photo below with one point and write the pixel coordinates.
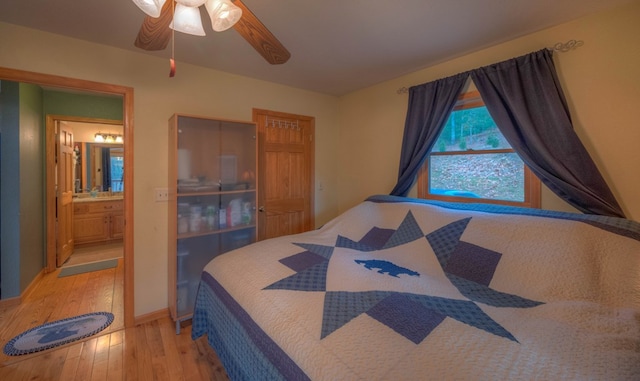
(155, 33)
(260, 37)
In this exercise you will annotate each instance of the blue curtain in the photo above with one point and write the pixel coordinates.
(430, 105)
(524, 97)
(106, 168)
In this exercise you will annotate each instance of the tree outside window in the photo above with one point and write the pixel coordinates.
(472, 162)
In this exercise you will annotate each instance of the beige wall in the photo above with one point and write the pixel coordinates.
(194, 90)
(358, 136)
(601, 81)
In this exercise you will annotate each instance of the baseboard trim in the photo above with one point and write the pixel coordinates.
(33, 284)
(17, 300)
(151, 316)
(10, 302)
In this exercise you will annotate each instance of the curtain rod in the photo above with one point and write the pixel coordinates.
(564, 47)
(561, 47)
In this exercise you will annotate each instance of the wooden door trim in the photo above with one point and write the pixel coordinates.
(127, 122)
(261, 160)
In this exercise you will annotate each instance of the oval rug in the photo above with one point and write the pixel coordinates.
(57, 333)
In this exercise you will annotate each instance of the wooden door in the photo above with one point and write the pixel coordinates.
(285, 173)
(64, 195)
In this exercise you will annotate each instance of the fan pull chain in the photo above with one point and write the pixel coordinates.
(172, 62)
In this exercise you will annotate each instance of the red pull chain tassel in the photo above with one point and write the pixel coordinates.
(172, 72)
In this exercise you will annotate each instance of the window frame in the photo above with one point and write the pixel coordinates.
(532, 186)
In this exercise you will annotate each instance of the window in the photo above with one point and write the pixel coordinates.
(472, 162)
(117, 169)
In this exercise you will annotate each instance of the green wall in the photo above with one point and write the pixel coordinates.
(83, 105)
(9, 186)
(21, 188)
(23, 110)
(32, 194)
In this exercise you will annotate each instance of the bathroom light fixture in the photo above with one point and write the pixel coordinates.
(102, 137)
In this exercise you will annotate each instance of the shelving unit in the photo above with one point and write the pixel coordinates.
(212, 199)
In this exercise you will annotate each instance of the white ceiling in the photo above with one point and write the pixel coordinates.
(337, 46)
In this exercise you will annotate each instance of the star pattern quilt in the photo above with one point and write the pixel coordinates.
(406, 289)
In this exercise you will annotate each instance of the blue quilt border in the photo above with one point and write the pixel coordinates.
(246, 351)
(620, 226)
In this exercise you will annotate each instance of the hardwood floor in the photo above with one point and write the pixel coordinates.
(150, 351)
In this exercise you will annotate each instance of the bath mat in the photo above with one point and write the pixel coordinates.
(88, 267)
(57, 333)
(94, 254)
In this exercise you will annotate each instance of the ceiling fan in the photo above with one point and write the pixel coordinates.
(184, 16)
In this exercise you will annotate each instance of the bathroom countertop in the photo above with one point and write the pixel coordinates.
(97, 199)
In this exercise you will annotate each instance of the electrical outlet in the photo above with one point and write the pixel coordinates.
(162, 194)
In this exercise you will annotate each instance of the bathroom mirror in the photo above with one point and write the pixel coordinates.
(99, 166)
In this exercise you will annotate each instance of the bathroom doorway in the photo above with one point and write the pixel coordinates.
(86, 156)
(126, 94)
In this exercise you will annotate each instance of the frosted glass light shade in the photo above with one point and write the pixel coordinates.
(150, 7)
(191, 3)
(187, 20)
(223, 14)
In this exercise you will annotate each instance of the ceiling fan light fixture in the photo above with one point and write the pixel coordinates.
(223, 13)
(191, 3)
(187, 20)
(150, 7)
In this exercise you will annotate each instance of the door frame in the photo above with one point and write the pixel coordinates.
(50, 193)
(126, 93)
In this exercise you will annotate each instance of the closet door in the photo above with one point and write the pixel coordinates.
(286, 151)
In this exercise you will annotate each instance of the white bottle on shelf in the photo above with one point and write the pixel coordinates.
(235, 212)
(223, 218)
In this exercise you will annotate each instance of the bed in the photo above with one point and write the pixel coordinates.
(405, 289)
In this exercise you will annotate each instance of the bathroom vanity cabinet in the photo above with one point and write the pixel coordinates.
(97, 220)
(212, 199)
